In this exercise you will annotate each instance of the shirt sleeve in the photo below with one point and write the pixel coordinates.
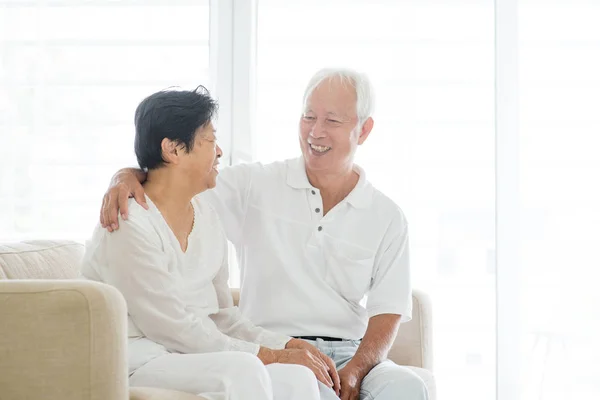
(138, 268)
(229, 198)
(230, 320)
(391, 291)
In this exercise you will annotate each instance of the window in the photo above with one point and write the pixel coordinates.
(432, 148)
(559, 171)
(72, 73)
(71, 76)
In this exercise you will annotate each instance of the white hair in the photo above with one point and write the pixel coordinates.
(359, 81)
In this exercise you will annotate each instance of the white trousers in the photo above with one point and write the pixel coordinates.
(227, 376)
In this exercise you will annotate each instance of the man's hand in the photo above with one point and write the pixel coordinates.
(300, 357)
(333, 373)
(125, 184)
(351, 377)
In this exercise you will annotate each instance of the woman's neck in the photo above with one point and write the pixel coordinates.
(169, 193)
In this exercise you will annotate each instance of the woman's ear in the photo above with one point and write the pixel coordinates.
(170, 152)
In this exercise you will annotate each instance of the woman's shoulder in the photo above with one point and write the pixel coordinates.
(140, 224)
(138, 216)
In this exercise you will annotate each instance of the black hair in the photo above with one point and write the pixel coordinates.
(172, 114)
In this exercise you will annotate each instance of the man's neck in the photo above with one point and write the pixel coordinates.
(334, 187)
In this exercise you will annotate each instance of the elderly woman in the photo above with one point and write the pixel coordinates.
(170, 263)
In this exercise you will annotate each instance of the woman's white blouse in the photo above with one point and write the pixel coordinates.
(180, 300)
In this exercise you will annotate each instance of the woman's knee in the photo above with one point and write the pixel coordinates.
(297, 381)
(298, 373)
(247, 376)
(246, 362)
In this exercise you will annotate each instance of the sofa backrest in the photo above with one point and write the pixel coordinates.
(40, 259)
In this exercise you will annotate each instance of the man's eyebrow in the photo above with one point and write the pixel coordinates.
(342, 116)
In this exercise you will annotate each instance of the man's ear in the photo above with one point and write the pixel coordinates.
(169, 151)
(365, 130)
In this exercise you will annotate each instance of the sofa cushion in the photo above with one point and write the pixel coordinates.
(40, 259)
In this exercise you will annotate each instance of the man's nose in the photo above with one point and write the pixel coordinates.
(219, 152)
(318, 129)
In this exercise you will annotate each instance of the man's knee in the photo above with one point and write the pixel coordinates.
(409, 384)
(394, 382)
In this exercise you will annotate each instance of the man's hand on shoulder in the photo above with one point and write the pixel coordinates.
(125, 184)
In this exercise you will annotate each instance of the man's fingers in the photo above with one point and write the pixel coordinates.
(345, 395)
(105, 213)
(112, 208)
(138, 195)
(102, 212)
(349, 393)
(122, 200)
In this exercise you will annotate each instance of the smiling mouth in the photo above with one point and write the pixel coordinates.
(319, 149)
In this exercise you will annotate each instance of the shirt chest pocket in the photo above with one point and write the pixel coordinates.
(349, 270)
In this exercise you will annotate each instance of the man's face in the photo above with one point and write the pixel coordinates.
(328, 127)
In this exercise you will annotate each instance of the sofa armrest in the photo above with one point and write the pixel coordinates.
(62, 339)
(413, 344)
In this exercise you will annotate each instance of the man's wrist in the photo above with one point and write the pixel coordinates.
(361, 367)
(123, 173)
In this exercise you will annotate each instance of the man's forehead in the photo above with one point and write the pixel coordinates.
(332, 97)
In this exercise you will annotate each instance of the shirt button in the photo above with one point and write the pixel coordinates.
(317, 210)
(313, 192)
(320, 228)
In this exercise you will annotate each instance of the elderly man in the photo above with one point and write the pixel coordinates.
(314, 239)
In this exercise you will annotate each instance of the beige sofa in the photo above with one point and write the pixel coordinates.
(65, 339)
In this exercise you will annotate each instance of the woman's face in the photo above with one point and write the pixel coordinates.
(200, 163)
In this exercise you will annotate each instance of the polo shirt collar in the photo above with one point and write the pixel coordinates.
(359, 197)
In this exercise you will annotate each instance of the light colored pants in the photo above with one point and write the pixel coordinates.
(386, 381)
(227, 376)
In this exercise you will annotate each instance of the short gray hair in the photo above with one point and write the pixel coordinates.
(359, 81)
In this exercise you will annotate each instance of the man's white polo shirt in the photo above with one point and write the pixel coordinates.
(305, 274)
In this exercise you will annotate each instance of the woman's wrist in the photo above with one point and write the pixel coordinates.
(267, 356)
(295, 344)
